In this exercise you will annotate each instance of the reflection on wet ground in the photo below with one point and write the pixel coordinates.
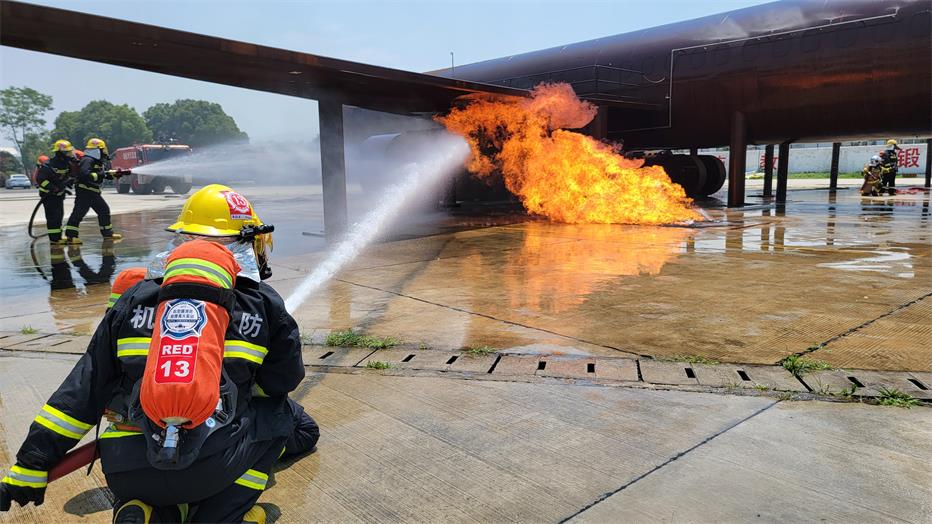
(845, 276)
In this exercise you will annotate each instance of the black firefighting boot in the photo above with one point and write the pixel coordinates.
(138, 512)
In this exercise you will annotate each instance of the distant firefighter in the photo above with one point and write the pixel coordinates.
(873, 184)
(889, 166)
(93, 168)
(52, 179)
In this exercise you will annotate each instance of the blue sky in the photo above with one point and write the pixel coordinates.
(416, 36)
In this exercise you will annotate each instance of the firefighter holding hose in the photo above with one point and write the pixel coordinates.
(193, 367)
(52, 177)
(93, 169)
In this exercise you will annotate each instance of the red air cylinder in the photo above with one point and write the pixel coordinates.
(181, 384)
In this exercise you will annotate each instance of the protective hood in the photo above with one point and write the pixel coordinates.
(93, 153)
(243, 253)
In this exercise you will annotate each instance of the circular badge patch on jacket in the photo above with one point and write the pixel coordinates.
(183, 318)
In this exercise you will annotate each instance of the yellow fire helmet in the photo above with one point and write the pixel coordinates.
(96, 143)
(891, 142)
(63, 146)
(219, 211)
(215, 211)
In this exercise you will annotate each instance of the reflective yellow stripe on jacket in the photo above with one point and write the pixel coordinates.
(61, 423)
(112, 432)
(28, 478)
(113, 299)
(133, 347)
(199, 268)
(245, 350)
(253, 479)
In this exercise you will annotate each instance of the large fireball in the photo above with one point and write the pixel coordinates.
(564, 175)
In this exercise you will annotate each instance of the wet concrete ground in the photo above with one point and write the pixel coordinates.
(844, 276)
(760, 284)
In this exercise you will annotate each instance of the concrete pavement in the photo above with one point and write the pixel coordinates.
(429, 449)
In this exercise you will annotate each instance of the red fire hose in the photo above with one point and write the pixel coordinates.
(74, 460)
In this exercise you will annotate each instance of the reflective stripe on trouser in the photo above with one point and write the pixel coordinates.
(61, 423)
(253, 479)
(84, 201)
(54, 213)
(199, 268)
(133, 347)
(245, 350)
(211, 480)
(27, 478)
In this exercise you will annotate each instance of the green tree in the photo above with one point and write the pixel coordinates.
(9, 163)
(22, 112)
(118, 125)
(193, 122)
(34, 145)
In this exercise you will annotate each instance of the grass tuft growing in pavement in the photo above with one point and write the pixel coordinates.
(895, 397)
(479, 351)
(347, 338)
(692, 359)
(28, 330)
(799, 366)
(375, 364)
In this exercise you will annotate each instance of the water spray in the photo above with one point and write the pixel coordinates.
(450, 153)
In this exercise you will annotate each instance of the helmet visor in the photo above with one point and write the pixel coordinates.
(243, 253)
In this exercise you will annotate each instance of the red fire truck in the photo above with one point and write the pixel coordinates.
(132, 157)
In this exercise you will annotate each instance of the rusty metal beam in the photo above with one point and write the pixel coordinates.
(229, 62)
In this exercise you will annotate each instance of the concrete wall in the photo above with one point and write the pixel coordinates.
(853, 158)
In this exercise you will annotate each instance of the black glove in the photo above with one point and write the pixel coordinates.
(24, 486)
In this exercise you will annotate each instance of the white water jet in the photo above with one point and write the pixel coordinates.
(447, 155)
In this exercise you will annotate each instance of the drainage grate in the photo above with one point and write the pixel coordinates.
(452, 359)
(856, 382)
(541, 365)
(690, 373)
(744, 376)
(407, 358)
(590, 368)
(325, 355)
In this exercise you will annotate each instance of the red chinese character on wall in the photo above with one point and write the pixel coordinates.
(763, 162)
(908, 157)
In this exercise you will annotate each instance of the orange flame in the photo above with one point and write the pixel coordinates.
(565, 176)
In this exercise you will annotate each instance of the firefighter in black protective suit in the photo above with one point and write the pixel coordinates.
(261, 356)
(93, 169)
(888, 170)
(53, 180)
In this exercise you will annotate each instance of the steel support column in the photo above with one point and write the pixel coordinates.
(929, 162)
(737, 153)
(332, 166)
(833, 174)
(783, 164)
(768, 170)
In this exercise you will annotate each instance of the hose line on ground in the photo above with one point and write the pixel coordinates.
(33, 217)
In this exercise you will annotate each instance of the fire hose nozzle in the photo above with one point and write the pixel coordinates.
(116, 173)
(249, 232)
